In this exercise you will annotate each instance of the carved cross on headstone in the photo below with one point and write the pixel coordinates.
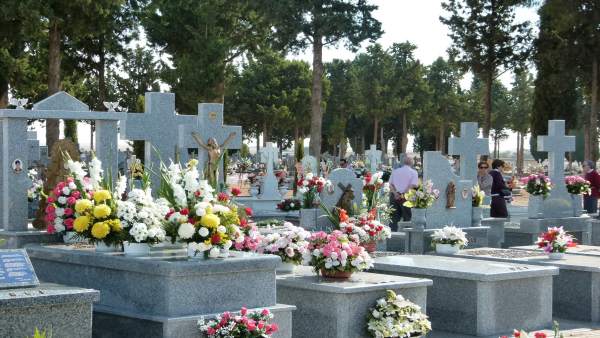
(374, 157)
(159, 128)
(556, 143)
(468, 146)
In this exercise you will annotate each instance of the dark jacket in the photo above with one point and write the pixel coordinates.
(594, 178)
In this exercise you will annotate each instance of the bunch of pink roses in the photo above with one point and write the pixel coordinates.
(252, 237)
(246, 325)
(60, 210)
(336, 252)
(577, 185)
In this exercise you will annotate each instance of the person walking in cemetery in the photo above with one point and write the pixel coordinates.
(344, 164)
(484, 179)
(499, 191)
(590, 201)
(402, 180)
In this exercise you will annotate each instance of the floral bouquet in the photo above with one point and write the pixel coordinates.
(478, 196)
(290, 244)
(207, 224)
(537, 184)
(336, 254)
(522, 334)
(246, 325)
(37, 186)
(393, 316)
(577, 185)
(142, 217)
(252, 237)
(450, 235)
(60, 210)
(372, 186)
(289, 204)
(555, 240)
(310, 186)
(422, 196)
(366, 228)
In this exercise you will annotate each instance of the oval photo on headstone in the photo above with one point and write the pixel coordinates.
(17, 166)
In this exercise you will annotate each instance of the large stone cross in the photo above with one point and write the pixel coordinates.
(159, 128)
(269, 188)
(374, 157)
(209, 123)
(468, 146)
(556, 143)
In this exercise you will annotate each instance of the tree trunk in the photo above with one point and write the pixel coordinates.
(522, 151)
(383, 141)
(587, 150)
(518, 153)
(316, 117)
(54, 59)
(594, 112)
(404, 134)
(257, 142)
(265, 134)
(442, 138)
(375, 130)
(362, 145)
(3, 94)
(487, 124)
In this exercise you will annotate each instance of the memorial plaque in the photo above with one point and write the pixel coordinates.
(16, 269)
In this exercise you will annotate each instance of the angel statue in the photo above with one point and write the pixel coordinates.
(211, 170)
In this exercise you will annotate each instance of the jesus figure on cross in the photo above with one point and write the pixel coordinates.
(211, 170)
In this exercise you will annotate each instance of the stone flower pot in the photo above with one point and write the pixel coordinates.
(103, 247)
(447, 249)
(419, 218)
(136, 249)
(535, 206)
(577, 204)
(476, 216)
(308, 218)
(286, 267)
(556, 255)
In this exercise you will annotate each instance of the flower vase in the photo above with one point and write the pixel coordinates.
(476, 216)
(286, 267)
(577, 204)
(370, 246)
(70, 237)
(196, 255)
(223, 253)
(535, 207)
(103, 247)
(136, 249)
(556, 255)
(336, 274)
(308, 218)
(447, 249)
(419, 218)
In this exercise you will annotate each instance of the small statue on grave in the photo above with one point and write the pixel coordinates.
(450, 195)
(211, 171)
(346, 199)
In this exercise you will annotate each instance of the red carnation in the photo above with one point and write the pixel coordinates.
(248, 211)
(222, 197)
(215, 239)
(184, 211)
(235, 191)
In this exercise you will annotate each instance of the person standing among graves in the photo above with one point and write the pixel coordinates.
(402, 180)
(484, 179)
(590, 201)
(499, 191)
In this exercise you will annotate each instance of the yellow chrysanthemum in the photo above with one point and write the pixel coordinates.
(83, 205)
(102, 211)
(100, 230)
(101, 196)
(210, 221)
(115, 225)
(81, 223)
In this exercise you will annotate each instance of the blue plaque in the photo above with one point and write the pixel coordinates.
(16, 269)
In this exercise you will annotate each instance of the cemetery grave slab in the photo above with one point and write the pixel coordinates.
(530, 229)
(576, 290)
(65, 310)
(18, 239)
(477, 297)
(496, 232)
(338, 308)
(595, 238)
(162, 292)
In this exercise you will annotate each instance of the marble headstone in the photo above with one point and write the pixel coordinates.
(556, 144)
(269, 186)
(331, 196)
(468, 146)
(310, 165)
(437, 169)
(374, 158)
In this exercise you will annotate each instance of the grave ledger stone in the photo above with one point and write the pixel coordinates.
(25, 304)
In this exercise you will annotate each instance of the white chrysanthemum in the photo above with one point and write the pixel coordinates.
(62, 200)
(203, 232)
(214, 252)
(139, 231)
(59, 212)
(186, 230)
(220, 208)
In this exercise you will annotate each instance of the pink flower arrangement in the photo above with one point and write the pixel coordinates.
(537, 184)
(336, 252)
(554, 240)
(60, 210)
(252, 237)
(246, 325)
(577, 185)
(290, 244)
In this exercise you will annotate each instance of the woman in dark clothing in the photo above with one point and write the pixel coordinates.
(590, 202)
(499, 191)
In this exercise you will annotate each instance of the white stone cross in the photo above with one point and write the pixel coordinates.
(374, 157)
(468, 146)
(556, 143)
(269, 185)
